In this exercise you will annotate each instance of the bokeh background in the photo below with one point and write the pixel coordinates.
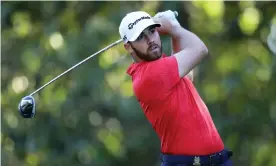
(90, 116)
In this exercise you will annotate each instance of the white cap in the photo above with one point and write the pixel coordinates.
(133, 24)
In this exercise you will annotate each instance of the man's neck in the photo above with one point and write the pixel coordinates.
(136, 59)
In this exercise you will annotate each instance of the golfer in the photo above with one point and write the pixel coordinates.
(163, 85)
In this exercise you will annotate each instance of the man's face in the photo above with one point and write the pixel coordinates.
(148, 45)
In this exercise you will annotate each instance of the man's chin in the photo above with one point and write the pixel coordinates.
(155, 57)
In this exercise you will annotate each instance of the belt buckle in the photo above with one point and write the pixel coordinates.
(196, 161)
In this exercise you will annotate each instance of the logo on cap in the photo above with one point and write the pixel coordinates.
(130, 26)
(125, 38)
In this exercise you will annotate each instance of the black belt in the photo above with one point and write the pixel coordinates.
(203, 160)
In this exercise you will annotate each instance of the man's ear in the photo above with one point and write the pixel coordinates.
(128, 48)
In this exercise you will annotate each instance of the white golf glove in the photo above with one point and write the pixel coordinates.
(170, 15)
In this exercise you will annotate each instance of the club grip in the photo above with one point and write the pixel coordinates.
(176, 13)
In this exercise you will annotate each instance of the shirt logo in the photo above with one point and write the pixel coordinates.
(130, 26)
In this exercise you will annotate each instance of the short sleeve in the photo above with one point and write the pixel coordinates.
(159, 77)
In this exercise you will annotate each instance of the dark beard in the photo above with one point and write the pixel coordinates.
(147, 57)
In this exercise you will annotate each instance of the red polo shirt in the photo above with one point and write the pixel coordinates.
(174, 108)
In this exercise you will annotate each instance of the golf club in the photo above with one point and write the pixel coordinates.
(27, 105)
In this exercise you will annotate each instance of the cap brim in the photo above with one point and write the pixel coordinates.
(141, 29)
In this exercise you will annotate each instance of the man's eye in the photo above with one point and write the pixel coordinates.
(140, 37)
(152, 30)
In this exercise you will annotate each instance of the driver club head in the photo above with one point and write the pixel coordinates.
(26, 107)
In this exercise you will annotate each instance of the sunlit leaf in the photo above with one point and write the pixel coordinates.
(249, 20)
(21, 23)
(32, 159)
(215, 9)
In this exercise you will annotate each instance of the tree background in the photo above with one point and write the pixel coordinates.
(90, 116)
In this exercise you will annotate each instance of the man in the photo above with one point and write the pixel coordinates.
(163, 86)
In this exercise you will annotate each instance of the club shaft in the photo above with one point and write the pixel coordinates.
(76, 65)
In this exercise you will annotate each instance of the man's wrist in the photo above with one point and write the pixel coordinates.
(176, 31)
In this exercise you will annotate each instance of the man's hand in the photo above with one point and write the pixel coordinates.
(167, 20)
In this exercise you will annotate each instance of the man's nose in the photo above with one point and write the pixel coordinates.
(149, 39)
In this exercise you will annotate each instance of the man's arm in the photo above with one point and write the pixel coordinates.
(175, 50)
(190, 50)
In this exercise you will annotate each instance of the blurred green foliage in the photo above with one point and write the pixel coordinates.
(90, 116)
